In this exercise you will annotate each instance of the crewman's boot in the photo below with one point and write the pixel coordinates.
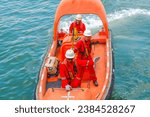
(95, 83)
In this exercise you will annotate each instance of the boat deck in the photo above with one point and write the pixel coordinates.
(98, 50)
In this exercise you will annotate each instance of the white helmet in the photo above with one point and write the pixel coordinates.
(70, 54)
(78, 17)
(87, 33)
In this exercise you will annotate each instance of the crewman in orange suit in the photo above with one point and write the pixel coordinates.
(78, 25)
(61, 33)
(84, 59)
(68, 71)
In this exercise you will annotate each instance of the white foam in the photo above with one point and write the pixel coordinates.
(90, 21)
(126, 13)
(93, 22)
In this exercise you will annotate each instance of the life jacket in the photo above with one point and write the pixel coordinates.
(87, 48)
(61, 34)
(79, 27)
(71, 72)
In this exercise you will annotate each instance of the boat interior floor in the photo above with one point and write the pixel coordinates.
(56, 84)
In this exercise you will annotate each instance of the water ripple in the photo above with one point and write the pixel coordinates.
(26, 31)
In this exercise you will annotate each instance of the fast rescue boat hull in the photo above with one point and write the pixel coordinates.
(49, 88)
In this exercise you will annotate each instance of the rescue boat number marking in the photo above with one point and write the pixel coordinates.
(68, 96)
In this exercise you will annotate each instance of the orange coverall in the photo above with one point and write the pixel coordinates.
(79, 27)
(85, 63)
(68, 74)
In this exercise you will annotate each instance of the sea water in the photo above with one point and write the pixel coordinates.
(26, 32)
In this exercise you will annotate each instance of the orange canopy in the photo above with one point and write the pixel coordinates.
(67, 7)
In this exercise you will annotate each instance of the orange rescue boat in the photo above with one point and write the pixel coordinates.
(49, 83)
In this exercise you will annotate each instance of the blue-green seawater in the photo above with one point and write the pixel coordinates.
(25, 33)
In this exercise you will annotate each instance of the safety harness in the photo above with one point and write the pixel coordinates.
(80, 26)
(86, 50)
(70, 74)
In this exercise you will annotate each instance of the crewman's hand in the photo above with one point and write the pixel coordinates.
(68, 87)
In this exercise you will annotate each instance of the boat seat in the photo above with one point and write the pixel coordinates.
(64, 48)
(99, 38)
(62, 94)
(66, 44)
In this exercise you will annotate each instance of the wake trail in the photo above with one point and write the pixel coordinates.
(127, 13)
(93, 22)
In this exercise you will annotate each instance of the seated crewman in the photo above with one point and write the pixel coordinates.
(68, 71)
